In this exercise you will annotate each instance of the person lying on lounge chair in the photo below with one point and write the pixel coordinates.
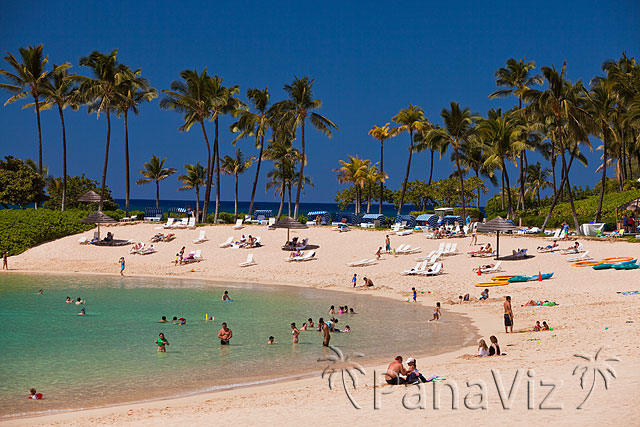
(572, 249)
(483, 250)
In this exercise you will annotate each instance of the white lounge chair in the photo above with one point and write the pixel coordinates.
(147, 250)
(555, 236)
(417, 269)
(306, 257)
(201, 238)
(272, 220)
(493, 269)
(227, 243)
(411, 250)
(169, 223)
(433, 271)
(184, 222)
(197, 257)
(396, 227)
(361, 263)
(400, 248)
(404, 232)
(83, 240)
(191, 223)
(584, 257)
(248, 262)
(453, 250)
(238, 225)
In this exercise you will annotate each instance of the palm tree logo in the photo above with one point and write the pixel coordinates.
(346, 367)
(595, 365)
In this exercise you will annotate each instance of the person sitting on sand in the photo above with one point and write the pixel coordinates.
(225, 335)
(68, 300)
(414, 376)
(436, 312)
(545, 327)
(484, 294)
(537, 327)
(82, 312)
(494, 350)
(271, 340)
(34, 395)
(483, 350)
(161, 342)
(394, 372)
(367, 282)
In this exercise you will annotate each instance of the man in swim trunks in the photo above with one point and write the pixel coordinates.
(508, 315)
(326, 335)
(225, 334)
(395, 369)
(387, 244)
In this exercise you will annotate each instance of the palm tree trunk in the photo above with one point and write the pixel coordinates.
(382, 174)
(35, 97)
(197, 203)
(570, 193)
(369, 198)
(509, 202)
(217, 167)
(502, 190)
(235, 208)
(431, 168)
(281, 201)
(255, 181)
(478, 200)
(603, 180)
(157, 194)
(406, 176)
(464, 209)
(553, 168)
(106, 161)
(301, 175)
(126, 163)
(64, 160)
(289, 187)
(207, 190)
(556, 195)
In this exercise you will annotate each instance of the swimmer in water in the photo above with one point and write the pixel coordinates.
(82, 312)
(164, 319)
(34, 395)
(225, 334)
(68, 300)
(295, 332)
(225, 296)
(161, 342)
(310, 323)
(347, 329)
(79, 301)
(271, 340)
(40, 292)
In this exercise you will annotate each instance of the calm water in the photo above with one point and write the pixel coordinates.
(109, 356)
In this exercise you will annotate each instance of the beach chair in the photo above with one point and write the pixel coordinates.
(403, 249)
(272, 220)
(584, 257)
(147, 250)
(83, 240)
(411, 251)
(404, 232)
(238, 225)
(446, 249)
(433, 271)
(417, 269)
(182, 224)
(201, 238)
(135, 251)
(248, 262)
(169, 223)
(555, 235)
(493, 269)
(306, 257)
(227, 243)
(361, 263)
(191, 223)
(452, 250)
(396, 227)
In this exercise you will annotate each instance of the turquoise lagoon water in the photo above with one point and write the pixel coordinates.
(109, 357)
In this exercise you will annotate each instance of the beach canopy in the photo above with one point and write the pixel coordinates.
(90, 196)
(325, 216)
(289, 223)
(263, 212)
(452, 219)
(633, 205)
(98, 218)
(350, 217)
(410, 219)
(497, 224)
(373, 217)
(431, 219)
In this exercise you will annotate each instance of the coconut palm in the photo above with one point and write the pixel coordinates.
(154, 171)
(423, 143)
(381, 134)
(192, 97)
(355, 171)
(27, 77)
(458, 128)
(374, 177)
(295, 110)
(473, 156)
(194, 179)
(255, 124)
(133, 92)
(236, 166)
(410, 119)
(101, 94)
(537, 179)
(515, 79)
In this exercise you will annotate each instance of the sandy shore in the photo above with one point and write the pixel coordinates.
(591, 316)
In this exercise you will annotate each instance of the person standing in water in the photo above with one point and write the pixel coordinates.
(436, 312)
(225, 335)
(295, 332)
(121, 266)
(326, 335)
(161, 342)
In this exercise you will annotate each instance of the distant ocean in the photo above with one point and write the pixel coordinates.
(227, 206)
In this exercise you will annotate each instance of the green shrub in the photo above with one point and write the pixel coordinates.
(21, 229)
(225, 217)
(417, 213)
(302, 219)
(472, 212)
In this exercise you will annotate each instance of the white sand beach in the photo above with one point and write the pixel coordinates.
(590, 316)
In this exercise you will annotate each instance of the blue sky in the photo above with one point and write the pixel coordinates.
(369, 60)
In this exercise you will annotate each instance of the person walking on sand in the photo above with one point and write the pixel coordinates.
(295, 332)
(225, 335)
(326, 335)
(354, 279)
(387, 244)
(5, 258)
(180, 256)
(508, 315)
(415, 294)
(121, 266)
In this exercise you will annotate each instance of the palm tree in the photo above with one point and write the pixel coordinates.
(236, 166)
(458, 128)
(27, 78)
(381, 134)
(355, 171)
(192, 97)
(255, 124)
(515, 79)
(410, 120)
(194, 179)
(61, 89)
(133, 92)
(295, 110)
(473, 156)
(423, 143)
(374, 177)
(101, 94)
(155, 171)
(284, 157)
(537, 179)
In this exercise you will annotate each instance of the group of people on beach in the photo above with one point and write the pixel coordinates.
(367, 282)
(493, 350)
(397, 374)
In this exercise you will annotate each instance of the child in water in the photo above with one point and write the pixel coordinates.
(34, 395)
(161, 342)
(436, 312)
(347, 329)
(271, 340)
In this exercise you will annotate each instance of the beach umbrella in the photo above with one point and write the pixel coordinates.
(497, 224)
(289, 223)
(90, 196)
(98, 218)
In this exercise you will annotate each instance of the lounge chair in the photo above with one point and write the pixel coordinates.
(584, 257)
(497, 267)
(404, 232)
(182, 224)
(453, 250)
(135, 251)
(227, 243)
(362, 263)
(169, 223)
(306, 257)
(555, 236)
(193, 257)
(238, 225)
(83, 240)
(401, 248)
(192, 223)
(572, 250)
(410, 250)
(433, 271)
(417, 269)
(201, 238)
(272, 220)
(147, 250)
(396, 227)
(248, 262)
